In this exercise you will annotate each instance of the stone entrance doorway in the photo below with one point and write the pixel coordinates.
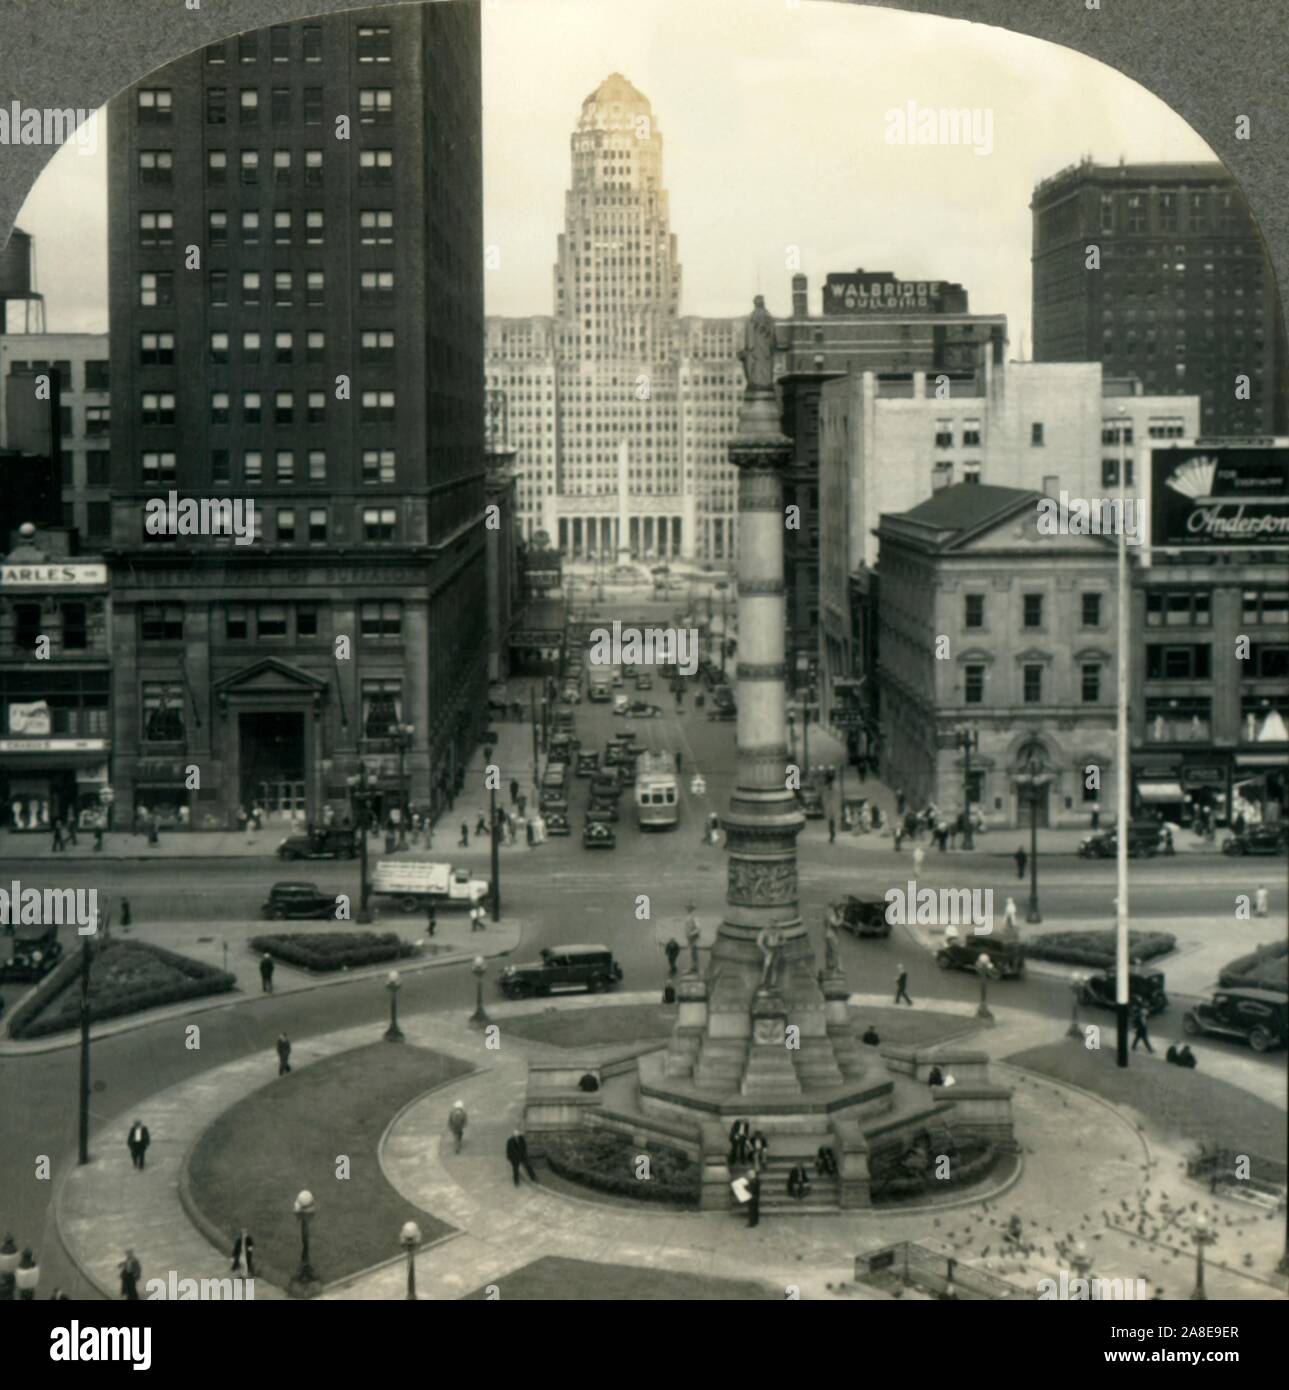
(272, 763)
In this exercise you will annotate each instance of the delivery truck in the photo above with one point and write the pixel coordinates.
(416, 885)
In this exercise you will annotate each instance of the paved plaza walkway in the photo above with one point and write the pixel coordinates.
(1071, 1140)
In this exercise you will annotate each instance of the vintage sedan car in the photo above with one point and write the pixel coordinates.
(862, 916)
(616, 680)
(644, 681)
(962, 953)
(1145, 987)
(603, 810)
(606, 785)
(571, 694)
(329, 842)
(1142, 839)
(1257, 1016)
(298, 900)
(811, 801)
(642, 709)
(597, 835)
(561, 970)
(1258, 839)
(557, 825)
(33, 957)
(553, 799)
(588, 764)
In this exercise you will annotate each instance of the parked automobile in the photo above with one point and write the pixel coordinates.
(298, 900)
(1258, 1016)
(1007, 957)
(606, 785)
(644, 681)
(616, 680)
(327, 842)
(572, 694)
(1142, 839)
(1258, 839)
(599, 692)
(1145, 987)
(560, 748)
(617, 755)
(811, 801)
(603, 811)
(597, 835)
(642, 709)
(725, 712)
(587, 764)
(863, 916)
(560, 970)
(557, 825)
(33, 957)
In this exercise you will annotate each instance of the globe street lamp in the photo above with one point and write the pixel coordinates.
(392, 983)
(27, 1275)
(1202, 1234)
(410, 1238)
(361, 796)
(403, 734)
(305, 1209)
(985, 970)
(479, 1019)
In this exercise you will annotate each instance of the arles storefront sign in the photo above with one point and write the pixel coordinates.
(54, 575)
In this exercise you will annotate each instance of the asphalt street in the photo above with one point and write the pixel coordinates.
(568, 894)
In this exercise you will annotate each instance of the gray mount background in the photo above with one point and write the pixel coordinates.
(1210, 60)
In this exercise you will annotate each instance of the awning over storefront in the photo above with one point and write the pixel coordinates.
(1160, 791)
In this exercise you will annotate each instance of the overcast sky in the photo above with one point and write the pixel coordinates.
(773, 118)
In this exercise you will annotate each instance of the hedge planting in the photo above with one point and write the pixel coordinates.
(126, 977)
(322, 951)
(1097, 948)
(607, 1162)
(1265, 968)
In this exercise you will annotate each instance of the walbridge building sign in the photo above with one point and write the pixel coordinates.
(881, 292)
(1217, 495)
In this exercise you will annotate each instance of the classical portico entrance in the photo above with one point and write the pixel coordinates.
(269, 726)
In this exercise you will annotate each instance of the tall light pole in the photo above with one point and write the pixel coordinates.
(360, 796)
(496, 854)
(403, 734)
(1122, 981)
(479, 1019)
(1033, 915)
(968, 739)
(393, 983)
(1202, 1234)
(305, 1209)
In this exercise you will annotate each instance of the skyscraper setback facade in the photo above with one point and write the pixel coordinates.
(618, 407)
(297, 321)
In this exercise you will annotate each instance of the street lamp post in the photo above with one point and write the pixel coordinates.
(1033, 915)
(496, 852)
(1202, 1234)
(410, 1238)
(724, 586)
(1075, 1030)
(403, 733)
(83, 1124)
(968, 739)
(393, 983)
(305, 1209)
(479, 1019)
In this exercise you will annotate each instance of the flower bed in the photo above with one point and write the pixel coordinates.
(1265, 968)
(608, 1163)
(973, 1161)
(1097, 948)
(126, 977)
(335, 950)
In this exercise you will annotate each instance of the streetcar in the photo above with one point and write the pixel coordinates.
(657, 792)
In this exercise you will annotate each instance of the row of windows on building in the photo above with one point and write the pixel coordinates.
(156, 167)
(244, 622)
(379, 466)
(379, 525)
(157, 288)
(375, 345)
(375, 228)
(375, 408)
(373, 43)
(96, 376)
(1032, 683)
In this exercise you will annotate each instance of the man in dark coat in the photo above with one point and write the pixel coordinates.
(754, 1204)
(125, 912)
(514, 791)
(465, 836)
(798, 1182)
(137, 1141)
(672, 951)
(131, 1273)
(283, 1054)
(244, 1245)
(431, 920)
(871, 1037)
(1140, 1032)
(1186, 1058)
(517, 1155)
(740, 1134)
(1021, 859)
(902, 986)
(266, 972)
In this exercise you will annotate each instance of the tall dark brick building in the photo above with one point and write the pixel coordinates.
(295, 225)
(1185, 298)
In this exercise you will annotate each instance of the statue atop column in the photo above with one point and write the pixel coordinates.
(757, 353)
(770, 943)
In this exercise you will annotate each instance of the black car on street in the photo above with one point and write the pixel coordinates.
(298, 900)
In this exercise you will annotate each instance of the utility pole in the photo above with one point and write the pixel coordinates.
(496, 858)
(536, 755)
(967, 739)
(1123, 770)
(83, 1155)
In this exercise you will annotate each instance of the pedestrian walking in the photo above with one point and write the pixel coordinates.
(919, 858)
(539, 828)
(125, 914)
(898, 833)
(283, 1054)
(517, 1155)
(832, 830)
(98, 839)
(131, 1273)
(514, 791)
(266, 973)
(1140, 1031)
(464, 842)
(753, 1180)
(899, 803)
(137, 1141)
(1009, 915)
(532, 838)
(58, 836)
(244, 1248)
(1021, 859)
(1260, 901)
(480, 827)
(759, 1146)
(672, 951)
(457, 1123)
(431, 920)
(902, 985)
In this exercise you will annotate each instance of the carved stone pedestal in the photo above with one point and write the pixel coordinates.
(691, 1024)
(769, 1070)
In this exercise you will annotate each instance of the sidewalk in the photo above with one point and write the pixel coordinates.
(1071, 1141)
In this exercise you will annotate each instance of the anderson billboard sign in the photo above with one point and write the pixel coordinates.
(1227, 496)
